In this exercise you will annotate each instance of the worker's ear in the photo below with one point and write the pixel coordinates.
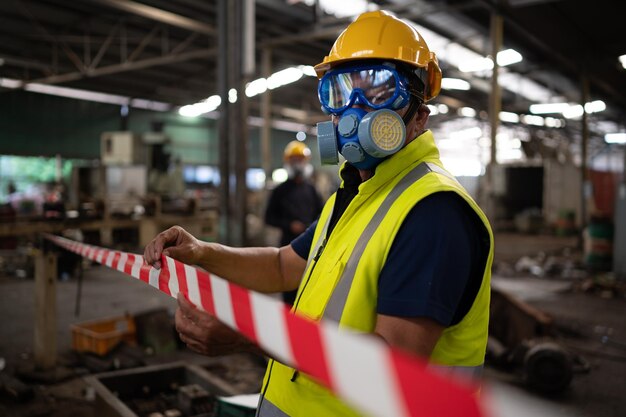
(421, 116)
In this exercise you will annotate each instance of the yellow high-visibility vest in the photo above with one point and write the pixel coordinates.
(340, 282)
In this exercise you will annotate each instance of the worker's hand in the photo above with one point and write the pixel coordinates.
(297, 227)
(175, 242)
(204, 333)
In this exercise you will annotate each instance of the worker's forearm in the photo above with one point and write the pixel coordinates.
(255, 268)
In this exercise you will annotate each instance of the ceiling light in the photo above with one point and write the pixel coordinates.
(622, 60)
(9, 83)
(76, 93)
(595, 106)
(454, 84)
(284, 77)
(573, 112)
(443, 109)
(232, 95)
(433, 109)
(467, 112)
(508, 57)
(256, 87)
(307, 70)
(619, 138)
(481, 64)
(549, 108)
(532, 120)
(506, 116)
(206, 106)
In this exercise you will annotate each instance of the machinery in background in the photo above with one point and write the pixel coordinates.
(522, 341)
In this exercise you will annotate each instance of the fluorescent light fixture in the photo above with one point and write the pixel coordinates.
(443, 109)
(454, 84)
(477, 65)
(284, 77)
(506, 57)
(622, 60)
(232, 95)
(549, 108)
(467, 112)
(595, 106)
(76, 93)
(307, 70)
(573, 112)
(256, 87)
(433, 110)
(86, 95)
(140, 103)
(619, 138)
(9, 83)
(509, 117)
(532, 120)
(569, 111)
(509, 57)
(206, 106)
(552, 122)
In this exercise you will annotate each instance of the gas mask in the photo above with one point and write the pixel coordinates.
(296, 170)
(364, 138)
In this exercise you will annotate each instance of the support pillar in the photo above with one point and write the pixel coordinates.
(45, 342)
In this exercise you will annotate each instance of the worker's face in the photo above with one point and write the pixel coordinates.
(298, 167)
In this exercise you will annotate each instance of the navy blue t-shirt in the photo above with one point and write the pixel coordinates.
(435, 265)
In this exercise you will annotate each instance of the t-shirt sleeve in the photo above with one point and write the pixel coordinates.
(302, 244)
(429, 263)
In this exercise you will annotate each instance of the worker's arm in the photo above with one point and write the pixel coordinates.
(260, 269)
(416, 335)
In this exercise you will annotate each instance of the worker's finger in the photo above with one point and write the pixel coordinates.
(186, 326)
(188, 309)
(153, 251)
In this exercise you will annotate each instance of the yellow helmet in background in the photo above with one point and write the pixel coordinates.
(296, 148)
(379, 35)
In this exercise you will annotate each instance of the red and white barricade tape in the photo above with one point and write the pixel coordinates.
(360, 368)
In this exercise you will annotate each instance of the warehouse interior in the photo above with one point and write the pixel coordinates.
(119, 118)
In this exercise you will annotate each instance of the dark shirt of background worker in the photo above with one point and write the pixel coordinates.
(295, 203)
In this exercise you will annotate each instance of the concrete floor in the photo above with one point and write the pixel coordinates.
(598, 393)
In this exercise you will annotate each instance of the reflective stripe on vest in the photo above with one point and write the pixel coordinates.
(336, 304)
(268, 409)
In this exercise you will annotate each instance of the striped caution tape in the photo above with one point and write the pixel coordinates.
(360, 368)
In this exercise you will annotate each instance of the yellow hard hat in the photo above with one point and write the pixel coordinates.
(296, 148)
(379, 35)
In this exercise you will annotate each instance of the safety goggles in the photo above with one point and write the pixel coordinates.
(378, 87)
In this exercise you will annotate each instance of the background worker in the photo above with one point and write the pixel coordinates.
(295, 203)
(401, 250)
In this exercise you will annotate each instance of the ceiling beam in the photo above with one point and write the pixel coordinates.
(127, 66)
(159, 15)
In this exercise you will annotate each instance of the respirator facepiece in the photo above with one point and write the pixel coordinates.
(364, 138)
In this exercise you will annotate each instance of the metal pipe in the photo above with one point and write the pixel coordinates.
(586, 186)
(224, 152)
(266, 111)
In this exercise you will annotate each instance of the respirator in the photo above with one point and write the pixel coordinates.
(363, 138)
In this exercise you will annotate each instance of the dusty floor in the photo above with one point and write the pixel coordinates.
(584, 317)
